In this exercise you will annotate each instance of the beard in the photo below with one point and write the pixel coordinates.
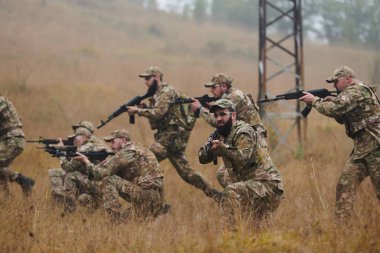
(225, 129)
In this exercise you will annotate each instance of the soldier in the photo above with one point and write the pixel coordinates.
(246, 110)
(133, 173)
(256, 187)
(60, 179)
(12, 141)
(357, 107)
(173, 124)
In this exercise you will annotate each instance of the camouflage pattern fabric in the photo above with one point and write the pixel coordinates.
(358, 108)
(63, 180)
(246, 110)
(173, 124)
(134, 174)
(12, 142)
(256, 185)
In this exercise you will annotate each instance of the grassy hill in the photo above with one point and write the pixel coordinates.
(62, 61)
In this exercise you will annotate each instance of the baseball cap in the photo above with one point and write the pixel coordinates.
(219, 78)
(152, 71)
(340, 72)
(84, 124)
(118, 134)
(222, 103)
(80, 131)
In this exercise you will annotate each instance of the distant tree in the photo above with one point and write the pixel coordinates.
(244, 12)
(200, 10)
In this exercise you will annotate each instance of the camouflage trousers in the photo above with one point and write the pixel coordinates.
(353, 174)
(171, 144)
(68, 188)
(250, 200)
(223, 177)
(10, 148)
(144, 202)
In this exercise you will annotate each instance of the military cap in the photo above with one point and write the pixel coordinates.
(222, 104)
(118, 134)
(152, 71)
(85, 124)
(80, 131)
(219, 78)
(341, 72)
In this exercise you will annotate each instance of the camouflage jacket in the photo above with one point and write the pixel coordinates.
(245, 157)
(135, 163)
(10, 122)
(92, 144)
(162, 114)
(358, 108)
(246, 109)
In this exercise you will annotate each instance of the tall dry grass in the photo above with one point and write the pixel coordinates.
(65, 61)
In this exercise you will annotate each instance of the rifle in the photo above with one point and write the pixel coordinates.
(71, 151)
(134, 101)
(208, 145)
(203, 100)
(322, 93)
(48, 142)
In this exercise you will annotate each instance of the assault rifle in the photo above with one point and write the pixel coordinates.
(71, 151)
(48, 142)
(322, 93)
(203, 100)
(135, 101)
(208, 145)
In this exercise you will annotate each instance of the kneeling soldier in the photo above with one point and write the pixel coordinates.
(256, 185)
(133, 173)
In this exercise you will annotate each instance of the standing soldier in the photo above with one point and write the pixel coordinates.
(256, 185)
(133, 173)
(358, 108)
(245, 106)
(12, 141)
(173, 124)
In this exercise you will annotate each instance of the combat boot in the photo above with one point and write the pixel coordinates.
(26, 184)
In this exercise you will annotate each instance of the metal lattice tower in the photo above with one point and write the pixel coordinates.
(290, 46)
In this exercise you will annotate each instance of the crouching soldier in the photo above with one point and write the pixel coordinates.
(255, 188)
(133, 174)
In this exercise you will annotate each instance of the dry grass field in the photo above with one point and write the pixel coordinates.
(62, 61)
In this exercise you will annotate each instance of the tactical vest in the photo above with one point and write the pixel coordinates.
(365, 115)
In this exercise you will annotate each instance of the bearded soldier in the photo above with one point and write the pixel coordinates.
(256, 185)
(173, 124)
(357, 107)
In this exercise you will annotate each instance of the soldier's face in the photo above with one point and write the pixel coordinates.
(217, 90)
(222, 116)
(79, 140)
(342, 82)
(117, 144)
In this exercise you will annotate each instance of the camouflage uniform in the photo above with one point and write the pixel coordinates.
(173, 124)
(12, 141)
(256, 185)
(134, 174)
(246, 110)
(63, 180)
(357, 107)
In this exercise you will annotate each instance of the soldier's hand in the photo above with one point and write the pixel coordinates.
(82, 158)
(195, 105)
(217, 145)
(132, 110)
(142, 105)
(307, 98)
(329, 98)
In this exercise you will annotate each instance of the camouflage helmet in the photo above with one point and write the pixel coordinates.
(118, 134)
(219, 78)
(80, 131)
(152, 71)
(341, 72)
(222, 104)
(84, 124)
